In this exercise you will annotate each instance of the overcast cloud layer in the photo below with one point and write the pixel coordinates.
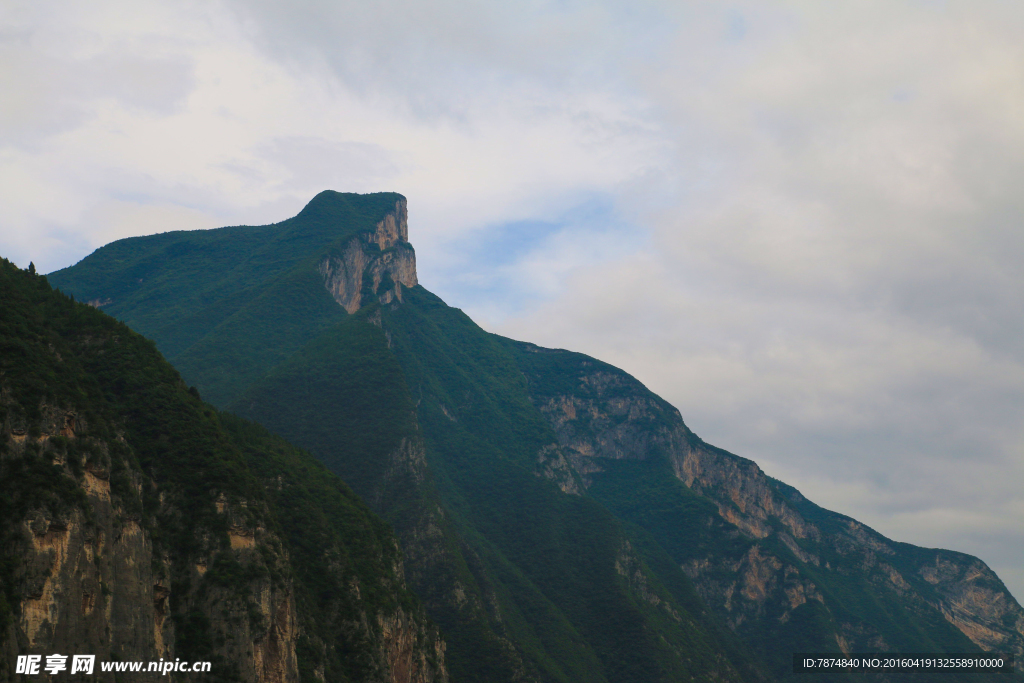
(800, 223)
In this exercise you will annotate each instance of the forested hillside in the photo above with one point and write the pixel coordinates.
(137, 522)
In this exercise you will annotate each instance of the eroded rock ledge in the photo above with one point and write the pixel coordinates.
(372, 264)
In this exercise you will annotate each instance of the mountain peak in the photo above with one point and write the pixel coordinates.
(329, 206)
(372, 264)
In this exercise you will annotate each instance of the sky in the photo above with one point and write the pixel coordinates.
(799, 222)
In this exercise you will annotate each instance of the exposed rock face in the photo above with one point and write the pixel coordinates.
(93, 582)
(976, 603)
(552, 464)
(407, 661)
(737, 485)
(629, 567)
(367, 261)
(610, 416)
(91, 585)
(966, 592)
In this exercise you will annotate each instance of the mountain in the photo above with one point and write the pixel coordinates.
(786, 574)
(138, 523)
(559, 521)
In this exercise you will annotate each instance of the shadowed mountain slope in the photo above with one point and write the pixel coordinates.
(784, 573)
(560, 522)
(138, 523)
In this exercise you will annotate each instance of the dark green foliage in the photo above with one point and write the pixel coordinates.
(66, 364)
(548, 560)
(333, 538)
(343, 396)
(352, 392)
(584, 621)
(35, 483)
(71, 359)
(684, 526)
(465, 379)
(227, 305)
(258, 336)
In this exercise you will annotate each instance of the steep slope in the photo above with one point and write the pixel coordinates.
(227, 305)
(556, 577)
(559, 521)
(785, 574)
(343, 394)
(137, 523)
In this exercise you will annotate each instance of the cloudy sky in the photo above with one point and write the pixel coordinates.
(798, 222)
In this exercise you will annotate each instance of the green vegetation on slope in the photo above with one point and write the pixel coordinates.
(344, 397)
(333, 540)
(547, 569)
(135, 419)
(688, 528)
(483, 437)
(227, 305)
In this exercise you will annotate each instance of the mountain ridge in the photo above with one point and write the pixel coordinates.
(704, 534)
(764, 508)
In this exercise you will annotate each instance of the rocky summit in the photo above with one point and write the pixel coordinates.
(555, 519)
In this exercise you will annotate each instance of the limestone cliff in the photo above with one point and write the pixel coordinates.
(787, 552)
(372, 264)
(93, 579)
(963, 589)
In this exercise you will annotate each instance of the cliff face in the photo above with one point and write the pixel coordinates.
(973, 600)
(247, 298)
(786, 553)
(87, 584)
(357, 619)
(962, 588)
(92, 580)
(137, 523)
(372, 259)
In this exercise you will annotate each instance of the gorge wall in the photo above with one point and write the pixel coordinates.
(786, 552)
(92, 580)
(138, 523)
